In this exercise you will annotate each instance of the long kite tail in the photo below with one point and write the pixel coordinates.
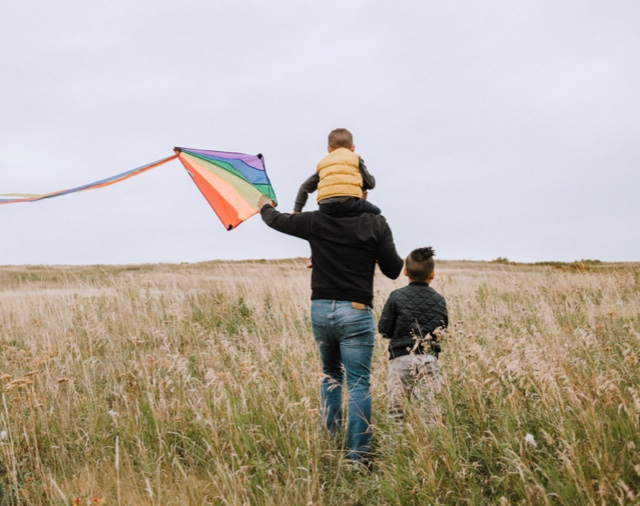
(13, 198)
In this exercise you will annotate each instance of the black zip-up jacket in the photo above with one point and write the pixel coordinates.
(344, 250)
(413, 311)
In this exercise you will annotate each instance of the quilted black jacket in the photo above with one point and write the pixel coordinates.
(415, 310)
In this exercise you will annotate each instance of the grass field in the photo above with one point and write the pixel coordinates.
(198, 384)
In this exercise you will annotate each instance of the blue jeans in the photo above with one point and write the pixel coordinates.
(344, 336)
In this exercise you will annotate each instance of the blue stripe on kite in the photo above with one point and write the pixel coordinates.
(251, 173)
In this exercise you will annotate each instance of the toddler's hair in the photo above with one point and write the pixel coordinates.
(420, 263)
(340, 138)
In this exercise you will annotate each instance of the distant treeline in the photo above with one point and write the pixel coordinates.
(576, 264)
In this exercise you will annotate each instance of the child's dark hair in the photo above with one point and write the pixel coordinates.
(340, 138)
(420, 263)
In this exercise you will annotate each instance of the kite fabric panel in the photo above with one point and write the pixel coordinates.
(232, 183)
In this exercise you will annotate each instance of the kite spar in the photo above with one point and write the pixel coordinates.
(232, 183)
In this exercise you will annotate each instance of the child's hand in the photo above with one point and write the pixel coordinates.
(365, 194)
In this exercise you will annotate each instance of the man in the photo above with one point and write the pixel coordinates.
(345, 251)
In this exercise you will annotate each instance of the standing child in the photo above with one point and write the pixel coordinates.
(341, 179)
(409, 319)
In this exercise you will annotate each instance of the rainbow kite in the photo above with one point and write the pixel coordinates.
(232, 183)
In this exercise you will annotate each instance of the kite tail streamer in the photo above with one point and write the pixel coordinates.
(13, 198)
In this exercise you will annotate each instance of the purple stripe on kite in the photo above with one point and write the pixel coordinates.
(243, 170)
(251, 160)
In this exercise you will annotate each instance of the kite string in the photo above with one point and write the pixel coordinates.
(90, 186)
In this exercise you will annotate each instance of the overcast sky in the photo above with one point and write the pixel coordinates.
(493, 128)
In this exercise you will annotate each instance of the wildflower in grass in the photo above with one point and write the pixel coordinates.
(529, 439)
(88, 501)
(3, 434)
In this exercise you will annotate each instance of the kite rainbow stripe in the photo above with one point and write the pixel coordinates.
(232, 183)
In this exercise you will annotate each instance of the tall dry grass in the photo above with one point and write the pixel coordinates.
(198, 384)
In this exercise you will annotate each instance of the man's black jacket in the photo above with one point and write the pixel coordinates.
(344, 251)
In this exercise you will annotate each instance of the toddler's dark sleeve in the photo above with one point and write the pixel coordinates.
(309, 186)
(368, 181)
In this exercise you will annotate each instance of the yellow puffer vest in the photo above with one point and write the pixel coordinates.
(340, 176)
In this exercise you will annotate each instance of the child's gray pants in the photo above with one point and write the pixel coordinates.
(416, 378)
